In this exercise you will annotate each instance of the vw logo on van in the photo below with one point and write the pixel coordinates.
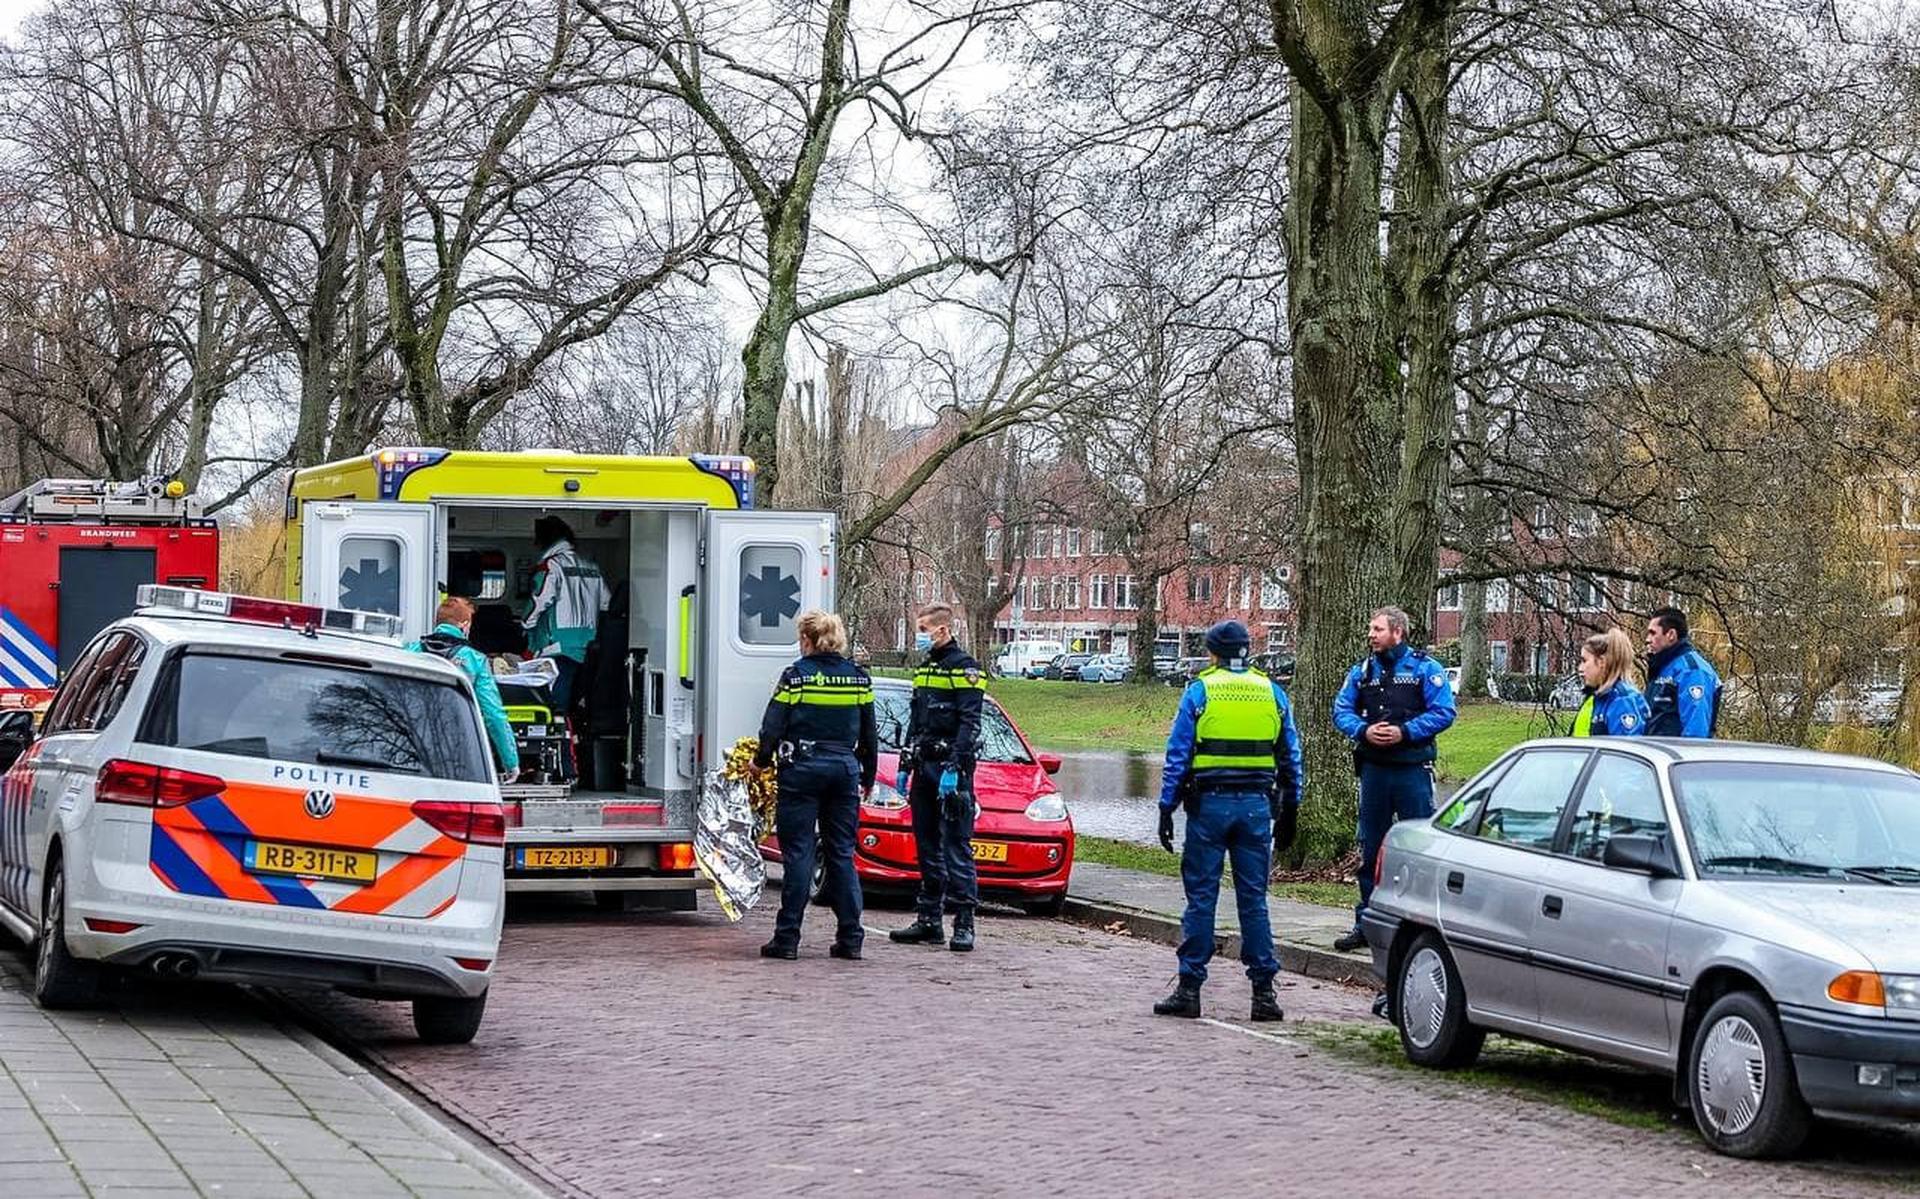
(319, 804)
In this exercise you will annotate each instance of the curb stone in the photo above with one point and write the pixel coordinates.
(1308, 960)
(432, 1119)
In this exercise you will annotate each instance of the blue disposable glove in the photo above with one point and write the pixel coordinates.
(949, 782)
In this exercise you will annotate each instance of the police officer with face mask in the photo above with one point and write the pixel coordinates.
(937, 778)
(1393, 705)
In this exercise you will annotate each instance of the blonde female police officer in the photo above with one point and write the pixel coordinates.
(819, 728)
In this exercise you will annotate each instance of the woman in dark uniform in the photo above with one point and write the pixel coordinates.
(819, 728)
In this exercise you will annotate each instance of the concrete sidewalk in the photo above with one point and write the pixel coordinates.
(1150, 905)
(198, 1090)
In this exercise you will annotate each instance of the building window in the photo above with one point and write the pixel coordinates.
(1036, 595)
(1096, 542)
(1587, 595)
(1541, 663)
(993, 544)
(1053, 592)
(1059, 541)
(1123, 596)
(1073, 591)
(1542, 522)
(1497, 652)
(1098, 586)
(1200, 539)
(1279, 636)
(1584, 523)
(1199, 587)
(993, 584)
(919, 588)
(1499, 596)
(1447, 599)
(1246, 592)
(1073, 543)
(1546, 592)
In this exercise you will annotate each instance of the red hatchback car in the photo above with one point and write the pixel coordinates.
(1022, 840)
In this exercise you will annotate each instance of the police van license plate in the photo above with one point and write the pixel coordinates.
(563, 857)
(312, 861)
(989, 851)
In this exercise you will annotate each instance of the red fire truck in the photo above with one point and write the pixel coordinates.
(71, 553)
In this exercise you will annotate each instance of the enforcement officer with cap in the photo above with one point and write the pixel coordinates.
(1234, 763)
(1392, 707)
(937, 768)
(819, 727)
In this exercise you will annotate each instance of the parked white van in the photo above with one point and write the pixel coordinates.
(1016, 658)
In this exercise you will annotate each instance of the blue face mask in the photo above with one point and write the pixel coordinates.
(923, 641)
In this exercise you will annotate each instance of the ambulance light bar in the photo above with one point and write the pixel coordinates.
(305, 617)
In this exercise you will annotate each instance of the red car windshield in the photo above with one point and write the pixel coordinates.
(998, 741)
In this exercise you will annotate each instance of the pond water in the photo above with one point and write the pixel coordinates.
(1111, 793)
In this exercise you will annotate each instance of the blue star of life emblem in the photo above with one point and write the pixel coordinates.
(770, 597)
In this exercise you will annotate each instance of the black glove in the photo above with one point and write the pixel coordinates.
(1166, 829)
(1286, 825)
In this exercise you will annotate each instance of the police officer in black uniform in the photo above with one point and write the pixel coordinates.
(819, 728)
(942, 732)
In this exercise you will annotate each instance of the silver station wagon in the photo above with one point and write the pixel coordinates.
(1745, 918)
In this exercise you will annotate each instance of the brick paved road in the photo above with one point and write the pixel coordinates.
(620, 1057)
(197, 1091)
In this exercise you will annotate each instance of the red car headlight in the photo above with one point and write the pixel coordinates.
(1047, 809)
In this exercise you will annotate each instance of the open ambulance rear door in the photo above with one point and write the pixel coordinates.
(762, 570)
(370, 555)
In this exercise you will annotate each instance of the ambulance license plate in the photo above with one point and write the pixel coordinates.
(989, 851)
(564, 857)
(312, 861)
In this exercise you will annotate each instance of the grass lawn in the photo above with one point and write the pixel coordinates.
(1154, 860)
(1618, 1094)
(1096, 716)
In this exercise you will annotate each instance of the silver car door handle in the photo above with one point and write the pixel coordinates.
(1550, 906)
(1455, 881)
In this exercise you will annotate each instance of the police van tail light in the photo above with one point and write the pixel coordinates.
(474, 823)
(254, 610)
(143, 785)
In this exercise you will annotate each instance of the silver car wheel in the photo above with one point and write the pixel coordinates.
(50, 923)
(1732, 1075)
(1423, 997)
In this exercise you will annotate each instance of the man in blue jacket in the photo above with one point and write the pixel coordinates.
(1392, 707)
(449, 640)
(1233, 760)
(1683, 689)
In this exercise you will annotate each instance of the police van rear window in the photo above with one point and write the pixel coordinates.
(306, 711)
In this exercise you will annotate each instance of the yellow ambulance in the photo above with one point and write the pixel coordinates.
(705, 591)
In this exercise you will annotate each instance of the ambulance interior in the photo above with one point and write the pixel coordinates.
(632, 705)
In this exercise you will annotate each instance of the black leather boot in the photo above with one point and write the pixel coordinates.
(1185, 1001)
(1349, 941)
(921, 932)
(962, 931)
(1266, 1004)
(783, 952)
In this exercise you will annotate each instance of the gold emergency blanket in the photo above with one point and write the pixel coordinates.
(734, 814)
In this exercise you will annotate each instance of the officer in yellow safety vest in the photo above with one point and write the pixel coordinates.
(1233, 761)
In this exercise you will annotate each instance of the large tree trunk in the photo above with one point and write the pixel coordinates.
(1417, 250)
(1474, 663)
(1346, 418)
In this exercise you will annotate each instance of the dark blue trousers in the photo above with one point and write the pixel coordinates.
(943, 839)
(1388, 793)
(819, 802)
(1227, 826)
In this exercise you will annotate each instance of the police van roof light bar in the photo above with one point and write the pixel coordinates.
(309, 618)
